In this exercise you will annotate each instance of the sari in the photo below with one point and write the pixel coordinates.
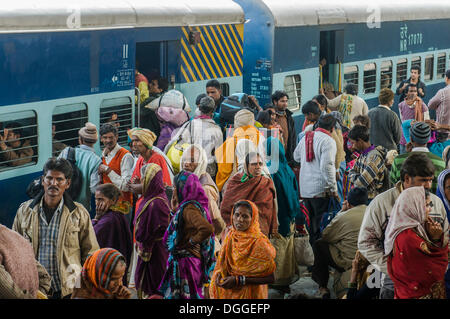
(258, 189)
(151, 220)
(416, 265)
(247, 253)
(186, 273)
(286, 185)
(441, 194)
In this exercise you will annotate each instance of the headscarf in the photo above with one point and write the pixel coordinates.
(244, 118)
(200, 157)
(408, 212)
(99, 267)
(243, 147)
(441, 190)
(264, 170)
(248, 253)
(144, 135)
(285, 183)
(446, 156)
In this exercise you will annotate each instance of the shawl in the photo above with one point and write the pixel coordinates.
(441, 191)
(144, 135)
(99, 267)
(285, 183)
(309, 143)
(345, 108)
(247, 253)
(408, 212)
(200, 158)
(258, 189)
(418, 112)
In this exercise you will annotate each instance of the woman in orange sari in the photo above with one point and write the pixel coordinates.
(246, 263)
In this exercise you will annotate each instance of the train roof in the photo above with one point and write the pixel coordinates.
(289, 13)
(51, 15)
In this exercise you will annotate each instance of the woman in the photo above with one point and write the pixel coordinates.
(246, 262)
(101, 276)
(150, 223)
(194, 160)
(190, 240)
(253, 185)
(443, 192)
(417, 247)
(110, 225)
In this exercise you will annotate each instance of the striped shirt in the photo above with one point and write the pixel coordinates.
(438, 163)
(48, 243)
(370, 171)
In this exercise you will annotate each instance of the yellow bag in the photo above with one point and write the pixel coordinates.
(174, 154)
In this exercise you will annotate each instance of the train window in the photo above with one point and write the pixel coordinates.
(402, 70)
(370, 78)
(18, 139)
(429, 68)
(416, 61)
(386, 74)
(440, 72)
(66, 122)
(351, 74)
(119, 112)
(225, 87)
(293, 88)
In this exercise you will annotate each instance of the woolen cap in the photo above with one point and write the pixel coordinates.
(420, 133)
(89, 132)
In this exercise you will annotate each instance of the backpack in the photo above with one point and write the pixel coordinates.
(231, 105)
(35, 187)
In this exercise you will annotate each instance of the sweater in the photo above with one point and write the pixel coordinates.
(385, 127)
(17, 259)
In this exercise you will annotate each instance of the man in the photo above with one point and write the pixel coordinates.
(349, 104)
(214, 91)
(148, 119)
(317, 178)
(14, 149)
(202, 130)
(117, 165)
(417, 170)
(420, 133)
(88, 162)
(370, 169)
(385, 126)
(412, 108)
(21, 275)
(413, 79)
(312, 112)
(441, 103)
(59, 229)
(284, 118)
(339, 241)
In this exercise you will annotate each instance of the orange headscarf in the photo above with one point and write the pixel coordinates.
(247, 253)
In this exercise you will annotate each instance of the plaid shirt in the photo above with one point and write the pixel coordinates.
(48, 241)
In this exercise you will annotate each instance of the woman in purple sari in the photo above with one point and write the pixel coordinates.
(150, 223)
(190, 241)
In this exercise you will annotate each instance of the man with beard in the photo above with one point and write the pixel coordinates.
(59, 229)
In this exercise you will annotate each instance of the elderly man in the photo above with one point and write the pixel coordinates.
(117, 166)
(59, 229)
(88, 162)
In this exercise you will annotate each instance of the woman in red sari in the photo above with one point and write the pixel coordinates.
(417, 247)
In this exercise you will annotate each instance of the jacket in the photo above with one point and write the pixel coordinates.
(76, 239)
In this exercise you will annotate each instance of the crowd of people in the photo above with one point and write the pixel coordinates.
(212, 211)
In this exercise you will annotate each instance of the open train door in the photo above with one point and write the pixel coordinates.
(331, 59)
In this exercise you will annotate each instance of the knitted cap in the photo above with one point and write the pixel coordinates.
(89, 132)
(420, 133)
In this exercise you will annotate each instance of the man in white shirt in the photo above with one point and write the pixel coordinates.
(317, 172)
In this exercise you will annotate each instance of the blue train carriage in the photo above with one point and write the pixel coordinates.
(65, 64)
(371, 44)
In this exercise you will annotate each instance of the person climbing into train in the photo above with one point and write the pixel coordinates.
(88, 162)
(59, 229)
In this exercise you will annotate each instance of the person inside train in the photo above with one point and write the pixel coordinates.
(15, 149)
(148, 119)
(413, 79)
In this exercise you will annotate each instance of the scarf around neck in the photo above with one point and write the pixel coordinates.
(309, 143)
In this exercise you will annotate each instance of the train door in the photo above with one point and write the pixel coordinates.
(330, 59)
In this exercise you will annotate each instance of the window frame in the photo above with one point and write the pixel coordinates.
(374, 81)
(405, 63)
(346, 68)
(431, 78)
(391, 73)
(295, 94)
(123, 135)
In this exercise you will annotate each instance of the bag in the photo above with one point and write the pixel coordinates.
(333, 208)
(175, 149)
(231, 105)
(172, 98)
(286, 271)
(76, 183)
(172, 115)
(304, 255)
